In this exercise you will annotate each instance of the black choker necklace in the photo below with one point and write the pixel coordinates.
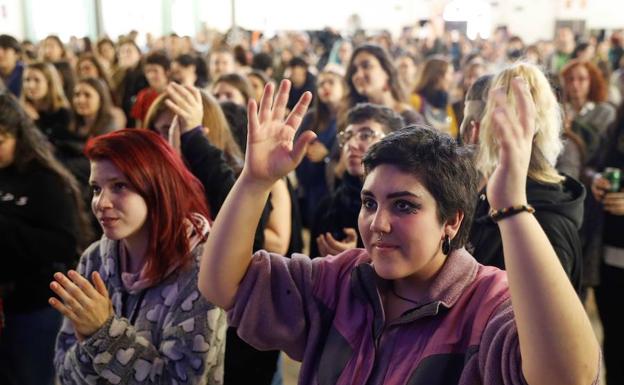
(401, 297)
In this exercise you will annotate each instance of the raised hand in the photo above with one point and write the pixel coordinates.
(514, 131)
(271, 153)
(186, 103)
(87, 306)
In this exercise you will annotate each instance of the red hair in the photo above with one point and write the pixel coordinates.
(171, 192)
(597, 84)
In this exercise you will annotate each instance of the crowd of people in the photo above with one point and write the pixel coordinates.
(457, 201)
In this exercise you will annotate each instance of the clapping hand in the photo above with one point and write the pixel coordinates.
(87, 306)
(514, 131)
(271, 153)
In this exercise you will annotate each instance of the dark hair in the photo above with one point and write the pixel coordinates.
(298, 61)
(158, 58)
(237, 81)
(477, 96)
(103, 41)
(434, 69)
(444, 168)
(240, 55)
(321, 112)
(104, 117)
(236, 116)
(8, 41)
(353, 97)
(68, 76)
(90, 57)
(478, 91)
(580, 47)
(262, 61)
(58, 41)
(260, 75)
(390, 120)
(33, 148)
(201, 68)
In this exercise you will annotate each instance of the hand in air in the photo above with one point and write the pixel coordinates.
(328, 245)
(271, 153)
(514, 131)
(87, 306)
(186, 103)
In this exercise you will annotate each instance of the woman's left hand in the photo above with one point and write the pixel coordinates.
(514, 131)
(87, 306)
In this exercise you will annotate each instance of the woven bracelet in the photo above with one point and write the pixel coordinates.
(497, 215)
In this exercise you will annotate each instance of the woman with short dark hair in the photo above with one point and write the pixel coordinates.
(413, 301)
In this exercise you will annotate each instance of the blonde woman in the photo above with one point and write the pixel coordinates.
(45, 102)
(557, 199)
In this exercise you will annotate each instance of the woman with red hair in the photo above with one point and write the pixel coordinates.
(587, 113)
(133, 313)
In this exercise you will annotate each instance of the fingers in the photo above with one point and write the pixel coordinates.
(181, 96)
(301, 146)
(525, 104)
(84, 285)
(266, 101)
(296, 115)
(323, 247)
(68, 295)
(175, 108)
(252, 117)
(334, 244)
(351, 234)
(99, 284)
(64, 310)
(279, 107)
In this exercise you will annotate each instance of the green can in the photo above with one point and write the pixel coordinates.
(613, 175)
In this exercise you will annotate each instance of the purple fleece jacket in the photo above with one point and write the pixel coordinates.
(327, 313)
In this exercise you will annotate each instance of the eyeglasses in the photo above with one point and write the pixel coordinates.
(365, 135)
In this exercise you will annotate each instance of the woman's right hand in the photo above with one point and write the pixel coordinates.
(600, 186)
(271, 153)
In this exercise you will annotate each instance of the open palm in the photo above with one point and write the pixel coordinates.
(514, 131)
(271, 152)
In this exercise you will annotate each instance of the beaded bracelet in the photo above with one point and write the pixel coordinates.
(497, 215)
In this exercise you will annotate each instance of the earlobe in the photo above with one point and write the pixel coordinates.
(453, 223)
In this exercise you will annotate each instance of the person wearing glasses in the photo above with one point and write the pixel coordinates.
(334, 226)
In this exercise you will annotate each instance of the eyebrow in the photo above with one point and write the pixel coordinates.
(362, 128)
(397, 194)
(114, 179)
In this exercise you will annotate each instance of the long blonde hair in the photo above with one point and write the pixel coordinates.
(55, 97)
(547, 144)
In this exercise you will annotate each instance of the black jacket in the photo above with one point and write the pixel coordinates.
(207, 163)
(558, 209)
(338, 211)
(38, 234)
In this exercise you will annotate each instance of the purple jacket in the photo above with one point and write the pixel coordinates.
(328, 313)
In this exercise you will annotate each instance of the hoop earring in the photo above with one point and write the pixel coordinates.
(446, 245)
